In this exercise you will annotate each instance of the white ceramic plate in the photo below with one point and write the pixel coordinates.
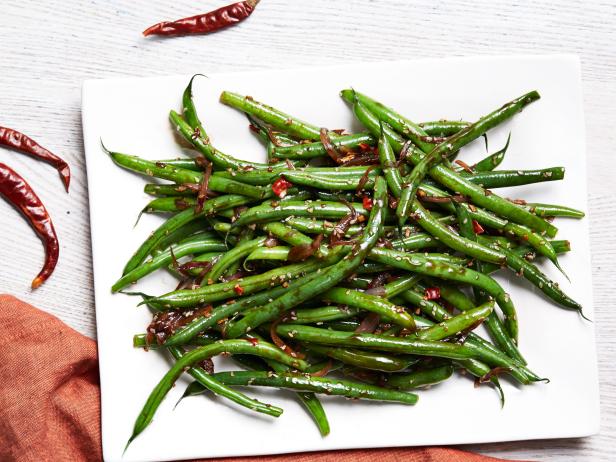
(130, 115)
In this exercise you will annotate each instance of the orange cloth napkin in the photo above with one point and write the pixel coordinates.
(50, 406)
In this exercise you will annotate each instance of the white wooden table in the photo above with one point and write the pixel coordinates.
(48, 47)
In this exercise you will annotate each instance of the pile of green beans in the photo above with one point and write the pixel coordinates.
(340, 265)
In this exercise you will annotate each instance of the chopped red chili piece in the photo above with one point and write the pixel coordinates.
(238, 289)
(432, 293)
(19, 193)
(253, 340)
(364, 147)
(367, 203)
(478, 228)
(205, 23)
(280, 187)
(20, 142)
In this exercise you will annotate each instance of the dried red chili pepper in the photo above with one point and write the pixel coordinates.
(205, 23)
(280, 187)
(19, 193)
(432, 293)
(366, 202)
(20, 142)
(478, 228)
(238, 289)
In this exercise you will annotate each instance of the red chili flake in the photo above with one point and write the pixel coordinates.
(254, 341)
(478, 228)
(367, 203)
(364, 147)
(238, 289)
(432, 293)
(280, 187)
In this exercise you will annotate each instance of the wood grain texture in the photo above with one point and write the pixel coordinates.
(48, 47)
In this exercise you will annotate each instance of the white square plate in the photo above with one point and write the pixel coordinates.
(130, 115)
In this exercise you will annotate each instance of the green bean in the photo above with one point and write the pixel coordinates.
(199, 225)
(538, 279)
(193, 244)
(321, 314)
(141, 341)
(453, 240)
(185, 163)
(322, 385)
(405, 345)
(309, 400)
(388, 164)
(418, 263)
(455, 182)
(328, 277)
(268, 253)
(219, 159)
(415, 241)
(186, 333)
(398, 286)
(420, 378)
(315, 409)
(507, 178)
(456, 324)
(169, 204)
(277, 211)
(488, 219)
(225, 290)
(233, 255)
(463, 303)
(178, 175)
(277, 119)
(313, 180)
(366, 359)
(551, 210)
(493, 160)
(267, 176)
(443, 128)
(451, 145)
(199, 354)
(467, 229)
(381, 306)
(490, 354)
(189, 112)
(316, 149)
(401, 124)
(306, 225)
(180, 219)
(527, 252)
(207, 381)
(155, 189)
